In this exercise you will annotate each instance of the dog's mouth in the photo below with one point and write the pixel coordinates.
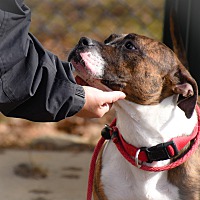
(108, 83)
(80, 81)
(89, 69)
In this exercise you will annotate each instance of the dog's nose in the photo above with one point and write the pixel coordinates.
(84, 41)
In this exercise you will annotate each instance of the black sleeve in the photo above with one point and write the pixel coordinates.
(34, 83)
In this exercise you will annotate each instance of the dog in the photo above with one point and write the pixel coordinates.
(160, 104)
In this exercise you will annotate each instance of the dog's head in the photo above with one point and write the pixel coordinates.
(144, 69)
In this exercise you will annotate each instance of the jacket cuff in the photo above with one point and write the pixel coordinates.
(79, 100)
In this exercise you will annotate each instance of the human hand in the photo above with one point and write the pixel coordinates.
(98, 102)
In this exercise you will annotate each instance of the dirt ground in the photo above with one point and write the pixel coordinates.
(43, 175)
(47, 161)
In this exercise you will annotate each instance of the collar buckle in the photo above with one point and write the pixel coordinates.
(105, 133)
(160, 151)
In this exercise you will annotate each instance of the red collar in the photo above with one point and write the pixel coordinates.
(159, 152)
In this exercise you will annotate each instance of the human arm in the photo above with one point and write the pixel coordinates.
(34, 83)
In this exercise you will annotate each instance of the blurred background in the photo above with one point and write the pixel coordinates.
(59, 24)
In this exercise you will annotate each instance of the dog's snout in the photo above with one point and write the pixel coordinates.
(84, 41)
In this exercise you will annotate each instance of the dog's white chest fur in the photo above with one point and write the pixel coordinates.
(143, 126)
(125, 182)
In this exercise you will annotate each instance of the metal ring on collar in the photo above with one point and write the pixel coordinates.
(137, 161)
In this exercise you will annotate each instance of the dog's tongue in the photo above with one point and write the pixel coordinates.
(80, 81)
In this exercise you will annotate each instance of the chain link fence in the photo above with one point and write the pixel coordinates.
(60, 23)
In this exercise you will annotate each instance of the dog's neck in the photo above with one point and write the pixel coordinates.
(148, 125)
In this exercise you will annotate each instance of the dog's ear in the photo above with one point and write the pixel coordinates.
(187, 90)
(112, 37)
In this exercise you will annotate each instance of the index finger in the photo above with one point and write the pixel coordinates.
(111, 97)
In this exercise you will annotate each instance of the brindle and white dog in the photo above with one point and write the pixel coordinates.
(160, 104)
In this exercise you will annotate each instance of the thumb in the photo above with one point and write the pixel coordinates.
(111, 97)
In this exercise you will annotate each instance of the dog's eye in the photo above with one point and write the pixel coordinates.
(129, 45)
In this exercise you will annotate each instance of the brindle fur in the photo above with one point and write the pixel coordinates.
(136, 68)
(189, 183)
(98, 191)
